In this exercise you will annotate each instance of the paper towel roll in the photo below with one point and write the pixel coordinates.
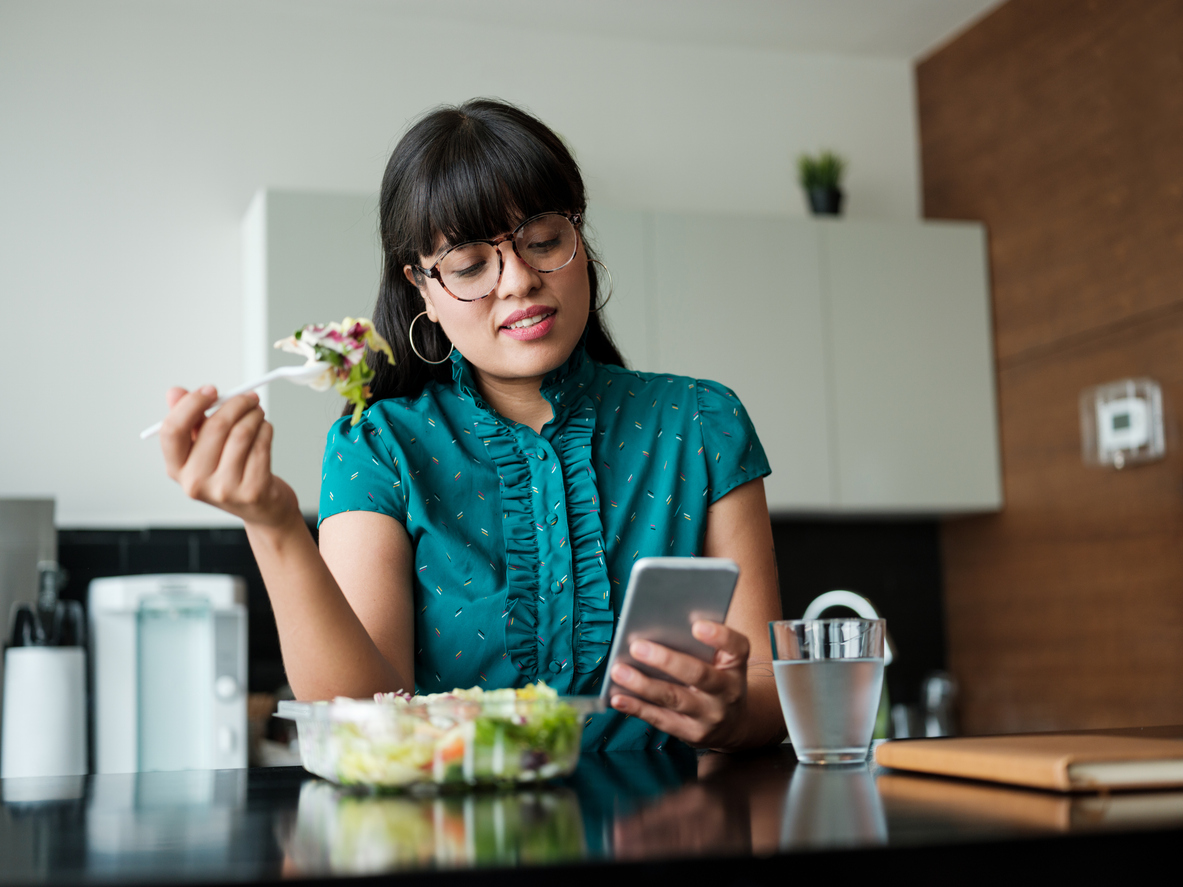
(44, 725)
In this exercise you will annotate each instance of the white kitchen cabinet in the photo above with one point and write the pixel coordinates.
(862, 350)
(913, 368)
(307, 258)
(739, 301)
(627, 237)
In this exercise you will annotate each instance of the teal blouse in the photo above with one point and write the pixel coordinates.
(523, 540)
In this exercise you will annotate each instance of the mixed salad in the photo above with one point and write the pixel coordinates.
(465, 737)
(341, 347)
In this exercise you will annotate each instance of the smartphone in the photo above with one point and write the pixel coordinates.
(664, 598)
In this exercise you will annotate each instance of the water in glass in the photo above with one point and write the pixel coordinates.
(829, 706)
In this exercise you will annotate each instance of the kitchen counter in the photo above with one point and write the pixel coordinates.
(757, 818)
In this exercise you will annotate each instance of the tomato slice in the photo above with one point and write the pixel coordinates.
(454, 750)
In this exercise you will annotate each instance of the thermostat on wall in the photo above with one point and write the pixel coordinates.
(1121, 423)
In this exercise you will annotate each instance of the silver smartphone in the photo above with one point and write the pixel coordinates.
(664, 598)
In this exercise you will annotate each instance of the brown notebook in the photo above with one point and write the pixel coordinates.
(1066, 762)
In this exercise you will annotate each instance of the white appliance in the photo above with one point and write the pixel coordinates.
(168, 660)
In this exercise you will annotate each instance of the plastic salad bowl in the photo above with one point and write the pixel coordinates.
(467, 737)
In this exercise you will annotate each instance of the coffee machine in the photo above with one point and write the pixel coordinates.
(169, 672)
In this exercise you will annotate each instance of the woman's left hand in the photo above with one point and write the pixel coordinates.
(710, 710)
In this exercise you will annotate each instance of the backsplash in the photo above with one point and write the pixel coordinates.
(89, 554)
(896, 564)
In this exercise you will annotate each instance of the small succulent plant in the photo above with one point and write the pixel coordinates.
(823, 171)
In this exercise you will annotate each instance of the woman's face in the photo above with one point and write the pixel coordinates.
(488, 332)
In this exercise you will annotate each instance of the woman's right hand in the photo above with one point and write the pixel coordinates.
(225, 459)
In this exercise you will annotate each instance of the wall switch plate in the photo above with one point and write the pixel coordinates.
(1121, 423)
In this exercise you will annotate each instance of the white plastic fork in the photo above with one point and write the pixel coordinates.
(299, 374)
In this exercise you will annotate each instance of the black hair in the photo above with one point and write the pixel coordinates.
(466, 172)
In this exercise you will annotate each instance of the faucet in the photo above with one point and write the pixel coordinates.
(852, 601)
(866, 610)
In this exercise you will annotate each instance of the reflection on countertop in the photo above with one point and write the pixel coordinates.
(1029, 809)
(245, 825)
(341, 832)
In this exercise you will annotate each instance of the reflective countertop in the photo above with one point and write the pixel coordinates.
(754, 813)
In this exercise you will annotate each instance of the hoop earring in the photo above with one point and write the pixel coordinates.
(600, 307)
(411, 339)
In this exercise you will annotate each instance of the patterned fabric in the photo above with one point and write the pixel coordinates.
(524, 541)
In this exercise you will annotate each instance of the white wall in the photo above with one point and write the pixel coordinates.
(133, 134)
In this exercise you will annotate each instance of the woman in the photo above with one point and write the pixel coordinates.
(479, 524)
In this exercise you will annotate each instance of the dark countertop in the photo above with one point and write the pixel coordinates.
(757, 818)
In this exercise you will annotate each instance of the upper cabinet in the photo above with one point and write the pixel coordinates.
(912, 364)
(739, 301)
(861, 350)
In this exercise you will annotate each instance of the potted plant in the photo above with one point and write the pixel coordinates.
(821, 177)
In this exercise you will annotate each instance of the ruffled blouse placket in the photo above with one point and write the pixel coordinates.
(558, 615)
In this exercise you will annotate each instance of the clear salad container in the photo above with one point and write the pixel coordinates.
(468, 737)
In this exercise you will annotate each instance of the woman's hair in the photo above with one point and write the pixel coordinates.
(468, 173)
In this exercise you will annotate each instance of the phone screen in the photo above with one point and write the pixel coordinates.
(664, 598)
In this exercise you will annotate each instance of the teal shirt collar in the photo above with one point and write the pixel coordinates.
(560, 387)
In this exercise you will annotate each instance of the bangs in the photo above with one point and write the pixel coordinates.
(486, 176)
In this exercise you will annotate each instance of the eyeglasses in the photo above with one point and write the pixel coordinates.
(470, 271)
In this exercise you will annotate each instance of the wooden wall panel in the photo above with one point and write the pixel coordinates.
(1060, 124)
(1066, 610)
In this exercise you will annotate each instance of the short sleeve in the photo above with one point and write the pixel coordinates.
(359, 472)
(731, 446)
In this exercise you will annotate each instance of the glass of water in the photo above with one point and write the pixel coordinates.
(829, 674)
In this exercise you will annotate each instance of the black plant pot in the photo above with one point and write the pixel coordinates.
(825, 201)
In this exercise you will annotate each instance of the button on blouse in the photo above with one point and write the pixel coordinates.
(524, 540)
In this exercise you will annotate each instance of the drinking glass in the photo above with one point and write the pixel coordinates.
(829, 674)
